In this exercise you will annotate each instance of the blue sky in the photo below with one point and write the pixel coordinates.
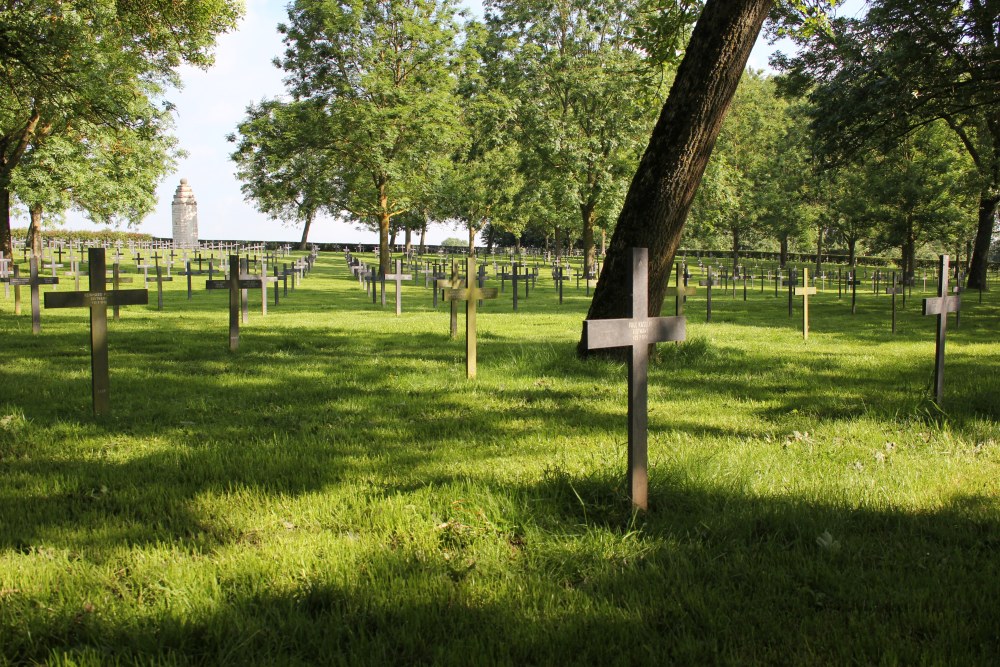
(209, 107)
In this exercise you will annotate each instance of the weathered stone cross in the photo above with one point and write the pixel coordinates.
(638, 333)
(235, 284)
(681, 291)
(941, 305)
(34, 281)
(398, 277)
(805, 292)
(97, 300)
(470, 294)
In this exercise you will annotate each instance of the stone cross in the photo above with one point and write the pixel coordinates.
(398, 277)
(470, 295)
(160, 279)
(34, 281)
(894, 290)
(941, 305)
(235, 284)
(637, 333)
(680, 292)
(805, 292)
(514, 277)
(97, 299)
(709, 282)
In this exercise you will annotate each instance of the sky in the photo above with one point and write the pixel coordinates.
(212, 103)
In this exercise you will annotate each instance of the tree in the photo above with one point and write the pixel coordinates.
(109, 173)
(735, 192)
(283, 172)
(587, 94)
(68, 64)
(380, 75)
(876, 79)
(921, 193)
(667, 178)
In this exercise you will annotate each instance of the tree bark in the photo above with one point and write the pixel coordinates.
(423, 236)
(305, 230)
(783, 254)
(383, 231)
(819, 251)
(660, 196)
(5, 241)
(35, 230)
(408, 239)
(852, 246)
(984, 237)
(588, 212)
(736, 250)
(557, 241)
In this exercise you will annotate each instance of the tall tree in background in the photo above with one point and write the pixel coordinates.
(381, 75)
(668, 175)
(733, 198)
(876, 79)
(283, 172)
(65, 64)
(587, 93)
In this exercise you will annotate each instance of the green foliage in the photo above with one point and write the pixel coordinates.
(87, 236)
(88, 72)
(586, 97)
(283, 171)
(452, 242)
(379, 79)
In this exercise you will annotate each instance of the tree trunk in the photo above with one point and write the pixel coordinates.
(384, 256)
(305, 230)
(660, 196)
(604, 242)
(490, 239)
(408, 240)
(984, 237)
(736, 249)
(852, 246)
(423, 236)
(819, 251)
(783, 255)
(558, 244)
(5, 241)
(588, 211)
(35, 230)
(472, 240)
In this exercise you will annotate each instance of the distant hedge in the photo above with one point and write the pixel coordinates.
(109, 235)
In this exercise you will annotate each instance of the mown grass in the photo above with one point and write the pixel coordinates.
(338, 492)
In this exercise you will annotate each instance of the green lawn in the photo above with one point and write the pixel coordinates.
(338, 492)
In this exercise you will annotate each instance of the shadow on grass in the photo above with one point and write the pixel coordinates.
(706, 577)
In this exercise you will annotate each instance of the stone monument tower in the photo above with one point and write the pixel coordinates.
(185, 217)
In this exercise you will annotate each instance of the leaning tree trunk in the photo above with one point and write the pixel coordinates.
(671, 169)
(984, 237)
(35, 230)
(588, 212)
(305, 230)
(6, 247)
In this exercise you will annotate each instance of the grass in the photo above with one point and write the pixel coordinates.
(337, 491)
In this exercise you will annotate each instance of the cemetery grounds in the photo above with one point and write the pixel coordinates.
(338, 492)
